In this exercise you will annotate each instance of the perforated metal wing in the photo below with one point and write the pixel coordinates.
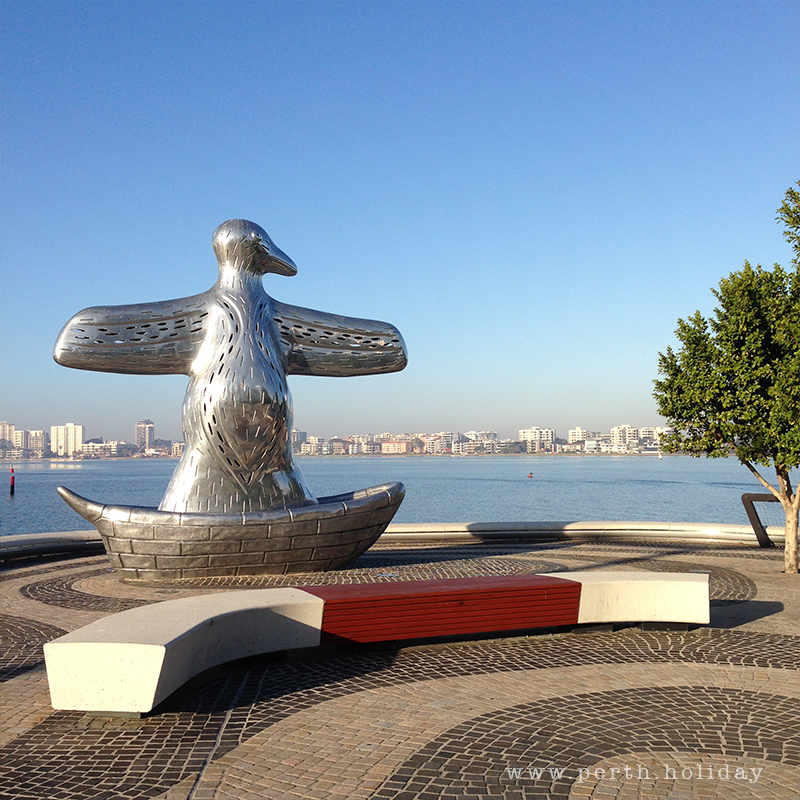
(140, 339)
(318, 343)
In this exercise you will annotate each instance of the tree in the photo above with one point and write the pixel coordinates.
(733, 386)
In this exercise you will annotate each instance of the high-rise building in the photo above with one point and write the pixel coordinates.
(6, 435)
(37, 441)
(145, 434)
(65, 440)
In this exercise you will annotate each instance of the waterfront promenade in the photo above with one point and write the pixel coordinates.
(705, 713)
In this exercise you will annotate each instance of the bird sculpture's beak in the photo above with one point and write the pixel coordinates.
(279, 262)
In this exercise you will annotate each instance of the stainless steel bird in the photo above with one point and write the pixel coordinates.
(237, 345)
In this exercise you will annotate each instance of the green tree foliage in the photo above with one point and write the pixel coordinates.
(733, 385)
(789, 215)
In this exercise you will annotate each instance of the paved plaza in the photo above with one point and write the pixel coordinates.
(707, 713)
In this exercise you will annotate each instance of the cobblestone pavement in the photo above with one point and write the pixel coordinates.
(709, 713)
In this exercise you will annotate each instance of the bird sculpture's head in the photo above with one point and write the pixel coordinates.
(244, 246)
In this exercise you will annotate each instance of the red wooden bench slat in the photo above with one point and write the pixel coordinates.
(472, 604)
(447, 625)
(373, 591)
(498, 599)
(424, 609)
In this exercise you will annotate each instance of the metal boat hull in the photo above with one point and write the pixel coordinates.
(145, 544)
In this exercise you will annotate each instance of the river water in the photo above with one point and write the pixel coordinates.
(438, 489)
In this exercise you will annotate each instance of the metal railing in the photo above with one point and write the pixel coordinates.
(749, 501)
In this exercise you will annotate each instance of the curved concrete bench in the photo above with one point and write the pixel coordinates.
(643, 597)
(131, 661)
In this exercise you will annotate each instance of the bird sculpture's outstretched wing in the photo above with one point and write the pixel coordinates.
(140, 339)
(317, 343)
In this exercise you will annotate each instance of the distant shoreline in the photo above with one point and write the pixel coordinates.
(349, 455)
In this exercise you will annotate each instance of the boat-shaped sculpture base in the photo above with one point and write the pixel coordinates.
(146, 544)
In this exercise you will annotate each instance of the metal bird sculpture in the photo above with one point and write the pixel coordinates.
(237, 345)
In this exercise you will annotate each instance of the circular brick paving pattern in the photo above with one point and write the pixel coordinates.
(573, 733)
(431, 563)
(21, 643)
(381, 565)
(59, 591)
(72, 755)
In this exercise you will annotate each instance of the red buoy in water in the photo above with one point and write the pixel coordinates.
(12, 482)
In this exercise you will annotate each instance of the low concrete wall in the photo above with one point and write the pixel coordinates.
(555, 531)
(31, 544)
(24, 545)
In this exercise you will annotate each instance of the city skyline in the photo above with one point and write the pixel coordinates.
(533, 193)
(127, 430)
(70, 438)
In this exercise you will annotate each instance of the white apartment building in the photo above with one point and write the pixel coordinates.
(177, 449)
(654, 433)
(597, 446)
(37, 441)
(447, 439)
(579, 435)
(481, 436)
(624, 437)
(470, 447)
(100, 448)
(433, 443)
(544, 436)
(7, 431)
(65, 440)
(28, 441)
(314, 446)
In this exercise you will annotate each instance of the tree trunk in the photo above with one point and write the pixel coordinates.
(791, 502)
(790, 553)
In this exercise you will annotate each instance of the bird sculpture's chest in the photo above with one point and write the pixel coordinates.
(241, 396)
(246, 353)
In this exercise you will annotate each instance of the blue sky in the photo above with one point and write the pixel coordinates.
(532, 192)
